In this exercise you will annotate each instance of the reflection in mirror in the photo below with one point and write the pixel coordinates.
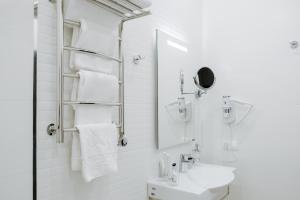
(205, 78)
(173, 109)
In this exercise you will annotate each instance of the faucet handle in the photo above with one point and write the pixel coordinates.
(197, 148)
(187, 157)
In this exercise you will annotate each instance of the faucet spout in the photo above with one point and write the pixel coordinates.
(185, 159)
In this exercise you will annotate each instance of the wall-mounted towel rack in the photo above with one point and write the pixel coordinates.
(124, 9)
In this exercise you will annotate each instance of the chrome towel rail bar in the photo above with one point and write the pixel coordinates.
(85, 51)
(72, 22)
(71, 75)
(127, 11)
(76, 130)
(98, 103)
(77, 23)
(67, 75)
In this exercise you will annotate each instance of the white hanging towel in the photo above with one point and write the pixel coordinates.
(76, 153)
(99, 150)
(93, 37)
(96, 87)
(87, 114)
(92, 114)
(91, 87)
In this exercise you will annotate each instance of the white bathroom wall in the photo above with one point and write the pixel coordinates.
(16, 86)
(247, 44)
(139, 160)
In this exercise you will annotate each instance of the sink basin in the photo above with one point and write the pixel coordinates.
(202, 182)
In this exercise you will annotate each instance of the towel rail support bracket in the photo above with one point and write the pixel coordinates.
(51, 129)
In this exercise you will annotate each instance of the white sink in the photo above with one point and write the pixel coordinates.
(202, 182)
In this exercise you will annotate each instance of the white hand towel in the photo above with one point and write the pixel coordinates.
(76, 153)
(92, 114)
(97, 87)
(91, 36)
(87, 114)
(91, 87)
(99, 150)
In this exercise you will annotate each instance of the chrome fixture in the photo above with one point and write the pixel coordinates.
(185, 159)
(197, 94)
(127, 12)
(204, 80)
(294, 44)
(137, 59)
(196, 152)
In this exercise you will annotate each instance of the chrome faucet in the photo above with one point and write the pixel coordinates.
(185, 159)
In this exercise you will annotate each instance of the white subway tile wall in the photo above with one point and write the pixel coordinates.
(247, 42)
(137, 161)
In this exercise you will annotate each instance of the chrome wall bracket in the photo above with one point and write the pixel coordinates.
(199, 93)
(51, 129)
(294, 44)
(123, 141)
(137, 59)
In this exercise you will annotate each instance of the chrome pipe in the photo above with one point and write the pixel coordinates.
(72, 22)
(75, 23)
(120, 9)
(143, 14)
(83, 102)
(70, 130)
(85, 51)
(122, 140)
(133, 4)
(60, 82)
(67, 75)
(121, 79)
(123, 7)
(76, 130)
(107, 8)
(71, 75)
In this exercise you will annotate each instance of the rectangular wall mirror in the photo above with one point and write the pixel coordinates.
(174, 111)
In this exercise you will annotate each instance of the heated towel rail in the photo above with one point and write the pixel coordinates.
(124, 9)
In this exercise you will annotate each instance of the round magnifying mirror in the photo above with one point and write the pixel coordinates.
(204, 78)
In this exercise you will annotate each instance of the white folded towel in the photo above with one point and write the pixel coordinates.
(92, 114)
(93, 37)
(87, 114)
(99, 148)
(96, 87)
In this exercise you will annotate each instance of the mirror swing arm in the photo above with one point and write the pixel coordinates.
(198, 93)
